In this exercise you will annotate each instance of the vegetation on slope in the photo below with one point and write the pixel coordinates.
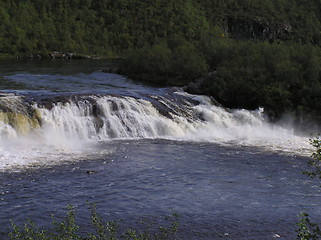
(105, 27)
(260, 53)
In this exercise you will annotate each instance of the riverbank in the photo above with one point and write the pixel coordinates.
(283, 78)
(248, 85)
(51, 55)
(263, 54)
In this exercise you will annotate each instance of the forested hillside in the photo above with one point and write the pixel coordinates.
(106, 27)
(259, 53)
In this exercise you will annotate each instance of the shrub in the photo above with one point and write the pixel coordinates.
(308, 230)
(67, 229)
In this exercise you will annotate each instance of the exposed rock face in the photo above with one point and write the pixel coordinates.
(57, 55)
(61, 55)
(256, 28)
(68, 55)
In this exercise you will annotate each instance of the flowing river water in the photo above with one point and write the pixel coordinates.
(71, 133)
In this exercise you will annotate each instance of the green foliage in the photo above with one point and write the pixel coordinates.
(103, 230)
(307, 230)
(103, 27)
(264, 53)
(315, 161)
(282, 78)
(67, 229)
(28, 232)
(175, 61)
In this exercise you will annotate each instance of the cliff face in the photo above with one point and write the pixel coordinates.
(256, 28)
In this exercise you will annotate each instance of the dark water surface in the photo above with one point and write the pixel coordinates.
(222, 188)
(216, 190)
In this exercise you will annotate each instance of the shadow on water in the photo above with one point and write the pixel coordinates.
(57, 66)
(62, 76)
(38, 67)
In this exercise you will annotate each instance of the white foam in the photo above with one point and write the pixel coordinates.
(67, 129)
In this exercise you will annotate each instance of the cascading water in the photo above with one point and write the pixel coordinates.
(70, 133)
(65, 123)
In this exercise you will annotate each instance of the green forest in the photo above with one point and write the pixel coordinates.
(248, 53)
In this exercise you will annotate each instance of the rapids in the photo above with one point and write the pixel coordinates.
(67, 122)
(229, 173)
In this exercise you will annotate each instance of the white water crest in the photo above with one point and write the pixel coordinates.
(69, 129)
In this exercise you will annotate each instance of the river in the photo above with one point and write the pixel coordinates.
(71, 133)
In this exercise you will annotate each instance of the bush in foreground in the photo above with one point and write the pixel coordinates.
(309, 230)
(67, 229)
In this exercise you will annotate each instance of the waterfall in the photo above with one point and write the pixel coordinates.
(179, 116)
(64, 123)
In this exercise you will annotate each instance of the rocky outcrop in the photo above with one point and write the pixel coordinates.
(56, 55)
(61, 55)
(69, 55)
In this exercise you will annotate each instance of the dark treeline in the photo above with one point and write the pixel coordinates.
(103, 27)
(258, 53)
(108, 26)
